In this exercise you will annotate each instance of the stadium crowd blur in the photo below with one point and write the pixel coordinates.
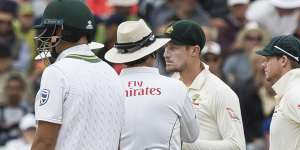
(234, 29)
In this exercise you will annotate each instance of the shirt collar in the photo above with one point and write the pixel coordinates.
(200, 79)
(134, 70)
(82, 49)
(285, 82)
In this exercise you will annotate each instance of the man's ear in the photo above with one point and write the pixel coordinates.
(196, 50)
(284, 61)
(57, 34)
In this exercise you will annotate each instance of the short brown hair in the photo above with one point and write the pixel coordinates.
(292, 61)
(294, 64)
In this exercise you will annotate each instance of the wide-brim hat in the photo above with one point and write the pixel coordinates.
(135, 40)
(211, 47)
(286, 4)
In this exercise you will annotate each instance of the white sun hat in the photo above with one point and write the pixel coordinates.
(28, 121)
(286, 4)
(124, 3)
(135, 40)
(211, 47)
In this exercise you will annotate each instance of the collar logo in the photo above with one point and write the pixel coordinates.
(89, 26)
(169, 30)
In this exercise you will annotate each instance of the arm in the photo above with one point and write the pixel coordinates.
(229, 120)
(49, 108)
(46, 136)
(228, 117)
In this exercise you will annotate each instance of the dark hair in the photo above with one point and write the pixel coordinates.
(71, 34)
(17, 77)
(9, 6)
(141, 60)
(5, 51)
(294, 63)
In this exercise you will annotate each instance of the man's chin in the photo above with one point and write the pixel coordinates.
(268, 79)
(171, 69)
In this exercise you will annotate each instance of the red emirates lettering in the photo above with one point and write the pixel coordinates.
(142, 92)
(136, 88)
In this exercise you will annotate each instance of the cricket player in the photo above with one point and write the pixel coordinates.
(282, 69)
(217, 106)
(155, 105)
(80, 103)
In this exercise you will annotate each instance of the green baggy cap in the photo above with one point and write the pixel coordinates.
(186, 32)
(282, 45)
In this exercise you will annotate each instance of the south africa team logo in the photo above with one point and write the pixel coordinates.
(44, 96)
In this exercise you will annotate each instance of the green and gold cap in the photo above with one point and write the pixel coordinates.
(282, 45)
(72, 13)
(186, 32)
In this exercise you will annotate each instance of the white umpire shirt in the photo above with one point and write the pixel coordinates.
(155, 105)
(218, 112)
(285, 125)
(84, 95)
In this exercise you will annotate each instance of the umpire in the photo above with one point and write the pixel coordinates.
(155, 106)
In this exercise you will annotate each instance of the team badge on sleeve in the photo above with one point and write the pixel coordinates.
(44, 96)
(232, 114)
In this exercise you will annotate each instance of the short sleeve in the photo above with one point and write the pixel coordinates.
(50, 97)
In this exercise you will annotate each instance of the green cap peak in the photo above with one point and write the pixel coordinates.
(282, 45)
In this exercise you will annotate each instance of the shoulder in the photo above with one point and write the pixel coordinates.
(292, 96)
(53, 69)
(172, 82)
(53, 73)
(172, 87)
(219, 89)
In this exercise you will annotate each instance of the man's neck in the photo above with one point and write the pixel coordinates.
(188, 75)
(65, 45)
(283, 72)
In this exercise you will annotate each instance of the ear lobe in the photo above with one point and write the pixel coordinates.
(284, 60)
(196, 51)
(54, 39)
